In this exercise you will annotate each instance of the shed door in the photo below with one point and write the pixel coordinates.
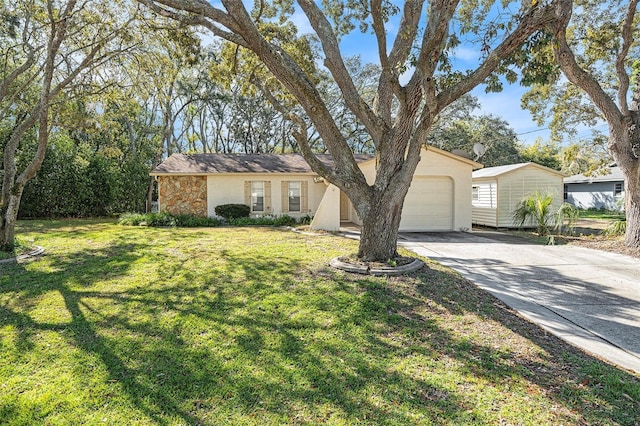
(428, 205)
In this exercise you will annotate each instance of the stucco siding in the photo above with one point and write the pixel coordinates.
(327, 215)
(228, 189)
(439, 197)
(434, 165)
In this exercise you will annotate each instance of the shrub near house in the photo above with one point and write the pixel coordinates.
(232, 211)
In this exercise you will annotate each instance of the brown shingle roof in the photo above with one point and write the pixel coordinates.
(241, 163)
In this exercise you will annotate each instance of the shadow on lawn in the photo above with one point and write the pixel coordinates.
(75, 272)
(261, 338)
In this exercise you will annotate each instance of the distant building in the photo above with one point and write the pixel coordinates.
(597, 192)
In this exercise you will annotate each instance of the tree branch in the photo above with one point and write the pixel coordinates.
(300, 135)
(627, 40)
(30, 60)
(199, 12)
(534, 19)
(388, 84)
(296, 81)
(335, 64)
(574, 73)
(380, 32)
(435, 35)
(422, 83)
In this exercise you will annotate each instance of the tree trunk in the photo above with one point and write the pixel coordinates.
(380, 212)
(9, 219)
(149, 202)
(379, 232)
(623, 120)
(624, 144)
(632, 210)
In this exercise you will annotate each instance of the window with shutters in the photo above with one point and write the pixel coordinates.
(257, 196)
(294, 196)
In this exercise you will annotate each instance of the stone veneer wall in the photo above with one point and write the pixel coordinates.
(183, 195)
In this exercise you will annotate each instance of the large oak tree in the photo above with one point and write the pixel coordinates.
(400, 113)
(597, 46)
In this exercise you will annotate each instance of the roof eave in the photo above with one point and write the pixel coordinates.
(229, 173)
(520, 167)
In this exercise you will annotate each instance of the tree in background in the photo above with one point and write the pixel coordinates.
(546, 154)
(53, 45)
(396, 116)
(98, 160)
(596, 46)
(586, 157)
(458, 128)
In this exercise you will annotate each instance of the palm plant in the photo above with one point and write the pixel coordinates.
(616, 228)
(537, 209)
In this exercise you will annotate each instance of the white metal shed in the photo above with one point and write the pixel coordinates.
(496, 191)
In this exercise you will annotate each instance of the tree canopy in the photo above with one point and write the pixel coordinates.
(458, 128)
(51, 49)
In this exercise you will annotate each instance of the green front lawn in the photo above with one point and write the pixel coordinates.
(249, 326)
(601, 214)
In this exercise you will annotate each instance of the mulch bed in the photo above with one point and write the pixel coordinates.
(600, 242)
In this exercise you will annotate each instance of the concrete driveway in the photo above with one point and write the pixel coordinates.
(587, 297)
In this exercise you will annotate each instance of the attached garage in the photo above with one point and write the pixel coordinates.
(439, 198)
(429, 205)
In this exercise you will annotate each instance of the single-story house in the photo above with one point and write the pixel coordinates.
(598, 192)
(439, 198)
(496, 191)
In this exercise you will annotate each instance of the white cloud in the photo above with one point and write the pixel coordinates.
(301, 22)
(466, 54)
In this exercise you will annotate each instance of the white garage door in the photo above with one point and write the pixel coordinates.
(428, 205)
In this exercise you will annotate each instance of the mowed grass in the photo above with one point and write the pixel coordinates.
(249, 326)
(601, 214)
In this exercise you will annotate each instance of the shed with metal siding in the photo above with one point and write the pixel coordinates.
(496, 191)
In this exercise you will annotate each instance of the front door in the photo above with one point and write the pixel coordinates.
(344, 207)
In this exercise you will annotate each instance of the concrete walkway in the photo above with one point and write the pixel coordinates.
(587, 297)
